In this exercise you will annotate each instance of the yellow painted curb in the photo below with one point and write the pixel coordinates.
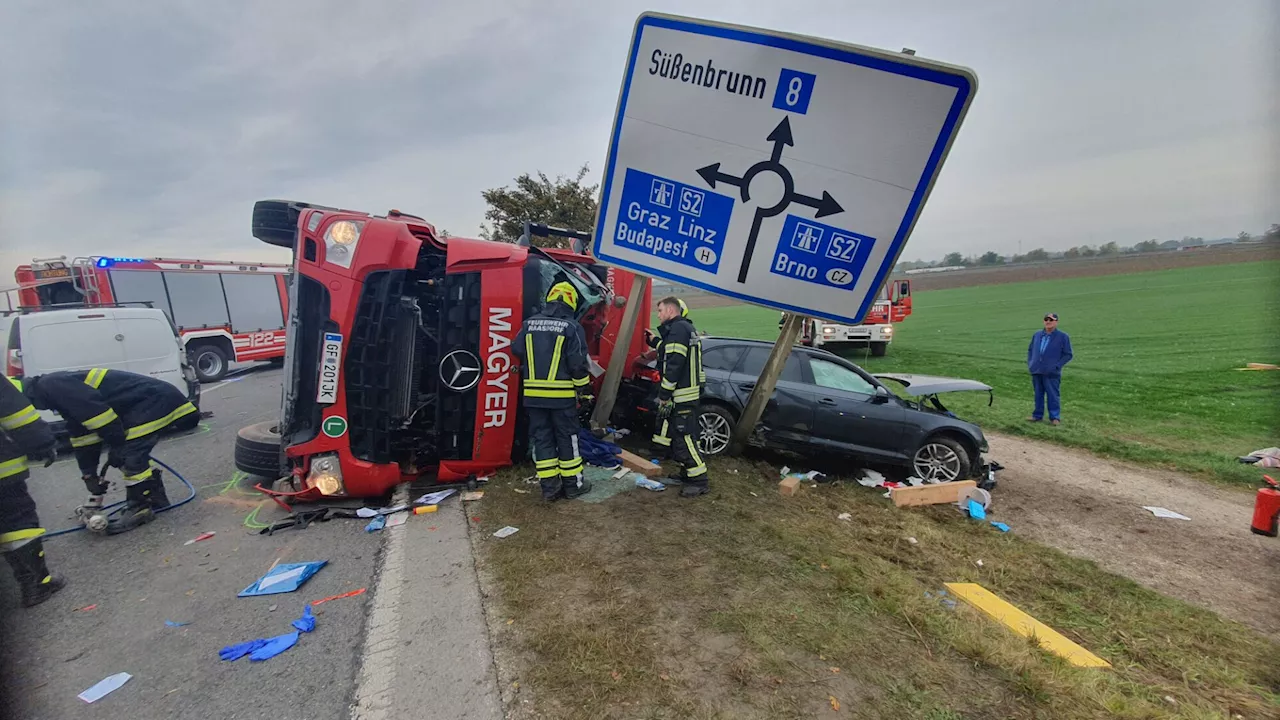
(1025, 625)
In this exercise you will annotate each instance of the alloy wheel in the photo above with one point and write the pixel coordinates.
(714, 432)
(937, 462)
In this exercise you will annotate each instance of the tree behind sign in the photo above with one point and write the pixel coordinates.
(563, 202)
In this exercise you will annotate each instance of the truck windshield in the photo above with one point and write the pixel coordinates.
(590, 291)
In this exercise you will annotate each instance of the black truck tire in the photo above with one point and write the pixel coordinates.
(275, 222)
(878, 349)
(258, 449)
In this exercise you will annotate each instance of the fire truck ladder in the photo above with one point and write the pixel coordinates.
(84, 271)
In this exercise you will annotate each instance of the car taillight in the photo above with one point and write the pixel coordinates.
(13, 363)
(650, 374)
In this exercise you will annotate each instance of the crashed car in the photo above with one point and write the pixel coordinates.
(825, 405)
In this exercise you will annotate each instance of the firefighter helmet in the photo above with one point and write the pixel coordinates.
(565, 293)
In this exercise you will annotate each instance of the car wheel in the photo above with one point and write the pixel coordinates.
(941, 459)
(210, 363)
(715, 428)
(258, 449)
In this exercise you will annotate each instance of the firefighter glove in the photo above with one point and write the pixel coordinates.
(664, 409)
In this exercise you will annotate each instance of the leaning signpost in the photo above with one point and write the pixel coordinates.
(781, 170)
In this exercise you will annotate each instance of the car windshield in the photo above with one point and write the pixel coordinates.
(838, 377)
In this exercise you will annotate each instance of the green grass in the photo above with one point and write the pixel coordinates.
(1154, 378)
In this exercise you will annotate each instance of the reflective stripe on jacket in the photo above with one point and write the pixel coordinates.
(680, 361)
(553, 358)
(23, 431)
(110, 405)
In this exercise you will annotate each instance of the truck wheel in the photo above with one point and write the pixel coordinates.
(275, 222)
(210, 362)
(258, 449)
(878, 349)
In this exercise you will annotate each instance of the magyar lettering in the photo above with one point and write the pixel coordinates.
(498, 363)
(707, 75)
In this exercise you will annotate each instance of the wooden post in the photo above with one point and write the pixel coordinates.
(621, 351)
(768, 380)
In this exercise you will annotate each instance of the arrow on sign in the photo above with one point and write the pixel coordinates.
(781, 137)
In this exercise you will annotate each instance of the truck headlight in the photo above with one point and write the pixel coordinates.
(828, 331)
(887, 331)
(326, 475)
(340, 242)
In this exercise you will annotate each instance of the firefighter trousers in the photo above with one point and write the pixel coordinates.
(553, 435)
(680, 433)
(135, 460)
(19, 523)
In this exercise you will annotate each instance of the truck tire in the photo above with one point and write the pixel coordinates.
(258, 449)
(210, 362)
(275, 222)
(878, 349)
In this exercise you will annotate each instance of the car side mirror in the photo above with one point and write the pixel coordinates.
(882, 395)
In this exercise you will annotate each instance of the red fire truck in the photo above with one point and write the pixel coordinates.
(398, 362)
(876, 330)
(224, 311)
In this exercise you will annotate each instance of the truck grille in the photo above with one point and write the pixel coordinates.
(396, 406)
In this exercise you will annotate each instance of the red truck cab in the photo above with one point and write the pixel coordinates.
(398, 360)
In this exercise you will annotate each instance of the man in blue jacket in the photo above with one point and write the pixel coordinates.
(1048, 353)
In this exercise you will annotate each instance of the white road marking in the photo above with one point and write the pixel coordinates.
(376, 682)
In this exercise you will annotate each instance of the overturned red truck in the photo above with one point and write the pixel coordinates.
(398, 360)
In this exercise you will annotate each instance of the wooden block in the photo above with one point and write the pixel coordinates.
(789, 486)
(640, 465)
(1025, 625)
(930, 494)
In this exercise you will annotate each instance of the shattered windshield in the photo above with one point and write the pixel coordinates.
(590, 291)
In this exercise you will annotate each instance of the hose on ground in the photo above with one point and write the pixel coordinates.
(115, 507)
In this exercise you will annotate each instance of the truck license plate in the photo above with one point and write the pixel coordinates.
(330, 362)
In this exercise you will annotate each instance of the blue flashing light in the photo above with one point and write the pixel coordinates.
(109, 261)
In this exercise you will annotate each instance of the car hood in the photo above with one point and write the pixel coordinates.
(933, 384)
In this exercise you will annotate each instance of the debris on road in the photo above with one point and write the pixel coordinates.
(913, 541)
(283, 578)
(424, 509)
(87, 608)
(307, 622)
(871, 478)
(1165, 513)
(272, 647)
(434, 498)
(105, 687)
(507, 531)
(201, 536)
(930, 494)
(976, 511)
(376, 524)
(171, 623)
(1000, 526)
(788, 486)
(621, 473)
(321, 601)
(231, 653)
(649, 484)
(977, 494)
(472, 496)
(640, 465)
(1025, 625)
(397, 519)
(844, 516)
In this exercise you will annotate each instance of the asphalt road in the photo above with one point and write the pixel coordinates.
(140, 579)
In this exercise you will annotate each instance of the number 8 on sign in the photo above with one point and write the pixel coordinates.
(794, 90)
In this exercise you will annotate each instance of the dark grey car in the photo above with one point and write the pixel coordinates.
(826, 405)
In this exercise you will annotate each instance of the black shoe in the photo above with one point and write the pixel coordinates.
(671, 480)
(33, 576)
(552, 490)
(155, 492)
(135, 514)
(576, 488)
(691, 491)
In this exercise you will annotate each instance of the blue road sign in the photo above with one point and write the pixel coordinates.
(781, 170)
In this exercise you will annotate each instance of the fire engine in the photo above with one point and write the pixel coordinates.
(876, 330)
(224, 311)
(398, 362)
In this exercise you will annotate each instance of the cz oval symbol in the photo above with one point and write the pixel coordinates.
(840, 277)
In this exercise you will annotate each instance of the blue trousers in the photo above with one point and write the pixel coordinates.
(1046, 387)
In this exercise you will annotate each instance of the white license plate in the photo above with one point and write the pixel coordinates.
(330, 364)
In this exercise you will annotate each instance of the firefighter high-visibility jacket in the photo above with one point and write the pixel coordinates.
(111, 406)
(680, 361)
(22, 432)
(553, 358)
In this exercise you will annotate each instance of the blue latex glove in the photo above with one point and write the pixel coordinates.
(376, 524)
(235, 652)
(274, 646)
(307, 622)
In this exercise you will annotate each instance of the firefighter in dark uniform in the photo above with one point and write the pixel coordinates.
(126, 412)
(24, 438)
(680, 362)
(553, 365)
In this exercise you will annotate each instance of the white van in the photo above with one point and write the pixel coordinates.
(135, 339)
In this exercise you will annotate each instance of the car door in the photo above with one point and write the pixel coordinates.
(851, 415)
(150, 346)
(69, 340)
(789, 413)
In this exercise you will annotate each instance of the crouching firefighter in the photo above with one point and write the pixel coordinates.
(680, 362)
(126, 412)
(24, 437)
(553, 365)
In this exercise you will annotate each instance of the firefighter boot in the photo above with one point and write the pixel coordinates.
(552, 489)
(692, 489)
(155, 491)
(92, 507)
(137, 510)
(32, 574)
(576, 486)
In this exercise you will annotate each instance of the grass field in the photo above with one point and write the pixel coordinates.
(1154, 378)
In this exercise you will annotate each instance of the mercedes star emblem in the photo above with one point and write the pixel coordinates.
(460, 370)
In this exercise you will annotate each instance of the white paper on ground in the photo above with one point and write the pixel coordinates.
(434, 498)
(1165, 513)
(105, 687)
(397, 519)
(844, 516)
(507, 531)
(291, 574)
(366, 513)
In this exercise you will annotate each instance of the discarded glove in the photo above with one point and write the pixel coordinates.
(235, 652)
(272, 647)
(307, 622)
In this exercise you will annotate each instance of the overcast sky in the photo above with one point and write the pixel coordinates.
(149, 128)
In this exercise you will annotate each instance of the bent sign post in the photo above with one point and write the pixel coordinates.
(781, 170)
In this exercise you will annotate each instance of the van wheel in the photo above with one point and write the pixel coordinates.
(258, 449)
(210, 363)
(878, 349)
